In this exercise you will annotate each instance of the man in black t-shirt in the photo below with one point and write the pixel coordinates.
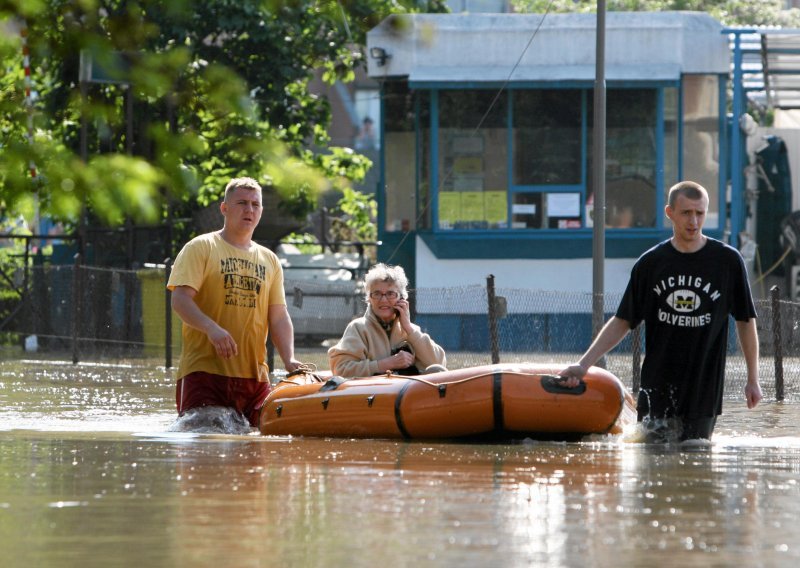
(684, 289)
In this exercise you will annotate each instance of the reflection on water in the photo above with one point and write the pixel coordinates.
(89, 475)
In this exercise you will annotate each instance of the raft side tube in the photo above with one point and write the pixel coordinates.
(531, 408)
(355, 409)
(466, 409)
(506, 401)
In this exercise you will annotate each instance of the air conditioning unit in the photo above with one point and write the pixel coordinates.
(794, 284)
(790, 233)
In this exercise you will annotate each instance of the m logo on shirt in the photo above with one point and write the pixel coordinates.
(684, 301)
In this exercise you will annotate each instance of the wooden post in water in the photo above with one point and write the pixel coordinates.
(76, 306)
(777, 341)
(26, 296)
(167, 315)
(495, 343)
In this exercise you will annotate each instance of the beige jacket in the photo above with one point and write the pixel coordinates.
(365, 342)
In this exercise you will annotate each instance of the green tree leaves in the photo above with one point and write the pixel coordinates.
(186, 94)
(728, 12)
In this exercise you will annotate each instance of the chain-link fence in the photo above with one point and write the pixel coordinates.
(90, 313)
(549, 326)
(87, 313)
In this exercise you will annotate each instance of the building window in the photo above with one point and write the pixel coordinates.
(547, 137)
(400, 157)
(368, 110)
(671, 140)
(547, 129)
(523, 160)
(631, 158)
(424, 205)
(701, 100)
(473, 160)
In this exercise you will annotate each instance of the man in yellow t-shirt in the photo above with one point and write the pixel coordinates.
(228, 290)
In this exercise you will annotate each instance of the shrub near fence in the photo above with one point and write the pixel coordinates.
(93, 313)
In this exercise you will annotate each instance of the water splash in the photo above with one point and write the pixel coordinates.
(658, 431)
(212, 420)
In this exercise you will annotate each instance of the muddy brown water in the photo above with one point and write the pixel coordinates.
(90, 476)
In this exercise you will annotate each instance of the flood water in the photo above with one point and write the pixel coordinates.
(90, 476)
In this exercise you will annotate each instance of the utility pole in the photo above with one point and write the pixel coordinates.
(599, 173)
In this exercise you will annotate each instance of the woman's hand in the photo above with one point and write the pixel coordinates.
(404, 313)
(399, 360)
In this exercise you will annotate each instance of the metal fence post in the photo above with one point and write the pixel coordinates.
(25, 292)
(76, 306)
(777, 341)
(167, 315)
(495, 344)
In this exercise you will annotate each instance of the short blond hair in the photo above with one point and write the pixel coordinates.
(389, 274)
(242, 182)
(689, 189)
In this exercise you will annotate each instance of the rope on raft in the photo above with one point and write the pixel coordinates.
(418, 379)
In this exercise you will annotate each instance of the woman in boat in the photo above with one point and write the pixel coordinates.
(384, 339)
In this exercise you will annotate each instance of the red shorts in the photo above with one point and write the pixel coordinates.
(205, 389)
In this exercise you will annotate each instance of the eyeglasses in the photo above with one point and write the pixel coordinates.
(390, 295)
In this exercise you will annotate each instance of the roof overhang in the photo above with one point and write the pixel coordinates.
(640, 46)
(543, 74)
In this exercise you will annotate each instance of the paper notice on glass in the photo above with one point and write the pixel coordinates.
(449, 206)
(563, 204)
(523, 209)
(468, 165)
(472, 206)
(496, 206)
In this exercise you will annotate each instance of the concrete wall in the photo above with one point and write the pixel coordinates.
(564, 275)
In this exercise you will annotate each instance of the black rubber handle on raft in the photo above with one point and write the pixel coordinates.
(555, 384)
(332, 383)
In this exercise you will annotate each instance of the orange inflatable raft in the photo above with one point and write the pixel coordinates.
(504, 401)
